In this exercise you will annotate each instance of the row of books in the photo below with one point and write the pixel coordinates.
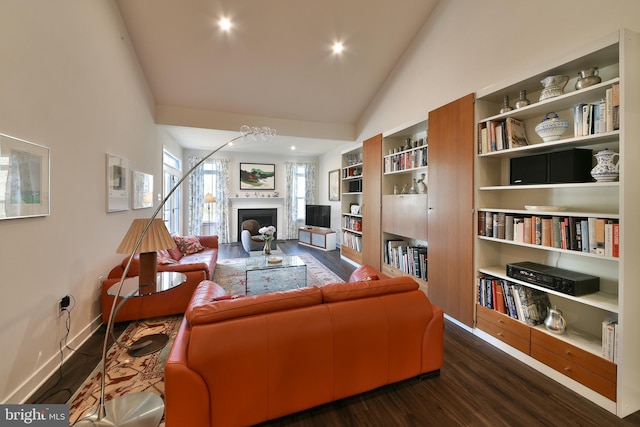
(517, 301)
(496, 135)
(610, 340)
(351, 240)
(352, 223)
(406, 160)
(598, 236)
(410, 259)
(600, 117)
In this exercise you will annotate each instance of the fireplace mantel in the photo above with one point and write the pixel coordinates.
(236, 203)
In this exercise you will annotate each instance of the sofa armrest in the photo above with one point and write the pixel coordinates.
(367, 272)
(209, 241)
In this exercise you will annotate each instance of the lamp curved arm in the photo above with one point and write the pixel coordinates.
(265, 133)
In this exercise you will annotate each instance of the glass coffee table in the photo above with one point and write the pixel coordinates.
(274, 273)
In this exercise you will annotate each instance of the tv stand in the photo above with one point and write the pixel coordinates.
(317, 237)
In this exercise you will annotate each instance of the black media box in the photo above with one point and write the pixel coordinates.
(556, 167)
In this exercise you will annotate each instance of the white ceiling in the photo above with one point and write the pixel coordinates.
(275, 66)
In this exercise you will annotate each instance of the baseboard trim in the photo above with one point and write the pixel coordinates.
(51, 366)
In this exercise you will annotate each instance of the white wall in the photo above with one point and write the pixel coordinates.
(467, 45)
(70, 82)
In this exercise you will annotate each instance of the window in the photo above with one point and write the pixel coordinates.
(211, 177)
(172, 170)
(301, 189)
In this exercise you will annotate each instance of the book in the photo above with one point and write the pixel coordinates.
(608, 238)
(584, 230)
(608, 338)
(615, 251)
(501, 224)
(516, 134)
(518, 230)
(593, 247)
(499, 297)
(508, 227)
(599, 236)
(495, 225)
(555, 232)
(527, 230)
(577, 120)
(482, 225)
(534, 304)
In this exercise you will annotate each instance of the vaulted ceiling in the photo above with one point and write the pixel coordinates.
(274, 67)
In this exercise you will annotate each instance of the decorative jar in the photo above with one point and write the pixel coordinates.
(553, 86)
(555, 321)
(607, 167)
(551, 128)
(505, 105)
(522, 100)
(588, 77)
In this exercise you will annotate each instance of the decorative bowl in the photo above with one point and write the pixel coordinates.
(551, 127)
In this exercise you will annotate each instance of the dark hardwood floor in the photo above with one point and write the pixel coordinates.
(479, 385)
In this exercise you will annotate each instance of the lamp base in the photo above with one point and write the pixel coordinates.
(147, 344)
(130, 410)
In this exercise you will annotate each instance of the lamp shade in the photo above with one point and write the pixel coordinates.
(157, 237)
(208, 198)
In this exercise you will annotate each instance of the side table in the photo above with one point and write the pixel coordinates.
(165, 280)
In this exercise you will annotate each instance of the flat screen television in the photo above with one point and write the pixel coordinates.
(318, 216)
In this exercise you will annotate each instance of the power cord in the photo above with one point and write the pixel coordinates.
(61, 346)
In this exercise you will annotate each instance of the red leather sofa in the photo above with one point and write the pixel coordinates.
(239, 362)
(197, 267)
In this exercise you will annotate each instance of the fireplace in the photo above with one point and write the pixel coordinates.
(265, 217)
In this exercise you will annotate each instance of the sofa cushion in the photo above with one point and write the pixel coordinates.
(202, 309)
(368, 288)
(188, 244)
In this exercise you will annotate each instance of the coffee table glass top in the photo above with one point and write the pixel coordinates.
(265, 274)
(165, 280)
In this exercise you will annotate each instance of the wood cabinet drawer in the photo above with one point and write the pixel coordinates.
(588, 369)
(504, 328)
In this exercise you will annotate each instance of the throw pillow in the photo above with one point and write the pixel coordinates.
(188, 244)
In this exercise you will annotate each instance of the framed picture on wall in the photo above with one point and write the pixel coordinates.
(117, 183)
(142, 190)
(334, 185)
(257, 176)
(24, 178)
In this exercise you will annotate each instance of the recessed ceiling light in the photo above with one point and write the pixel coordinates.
(224, 24)
(293, 147)
(337, 48)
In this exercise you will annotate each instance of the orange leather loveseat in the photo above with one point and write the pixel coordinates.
(197, 266)
(239, 362)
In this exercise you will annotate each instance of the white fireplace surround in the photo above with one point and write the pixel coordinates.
(236, 203)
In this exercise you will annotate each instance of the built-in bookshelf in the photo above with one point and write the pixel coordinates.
(351, 205)
(404, 202)
(585, 226)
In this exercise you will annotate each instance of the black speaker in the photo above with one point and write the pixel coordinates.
(570, 166)
(528, 170)
(573, 165)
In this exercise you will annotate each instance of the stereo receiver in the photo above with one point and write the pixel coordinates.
(560, 280)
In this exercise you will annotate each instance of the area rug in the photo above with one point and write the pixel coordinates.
(127, 374)
(231, 273)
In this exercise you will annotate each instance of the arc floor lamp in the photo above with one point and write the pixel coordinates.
(145, 409)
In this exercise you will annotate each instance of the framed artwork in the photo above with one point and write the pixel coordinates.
(257, 176)
(142, 190)
(334, 185)
(117, 183)
(24, 178)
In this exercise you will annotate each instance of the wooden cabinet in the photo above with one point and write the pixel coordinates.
(321, 238)
(405, 215)
(516, 334)
(579, 354)
(451, 207)
(372, 201)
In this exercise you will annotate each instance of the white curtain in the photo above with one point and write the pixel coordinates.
(221, 211)
(291, 194)
(195, 197)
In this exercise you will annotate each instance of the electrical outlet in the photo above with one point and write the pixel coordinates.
(65, 301)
